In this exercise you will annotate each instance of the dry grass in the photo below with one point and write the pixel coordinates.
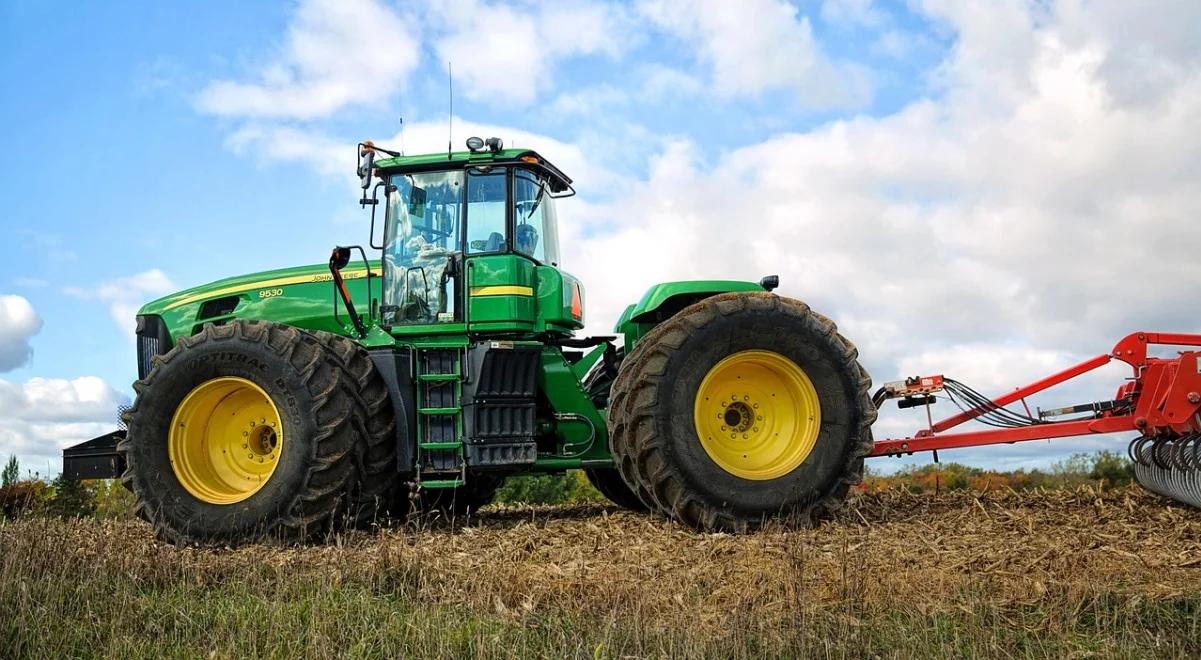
(1083, 573)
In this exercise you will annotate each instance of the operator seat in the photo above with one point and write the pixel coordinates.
(527, 239)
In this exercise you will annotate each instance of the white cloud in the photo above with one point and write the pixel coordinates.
(41, 417)
(1041, 213)
(125, 295)
(337, 53)
(18, 323)
(755, 46)
(664, 84)
(331, 156)
(508, 54)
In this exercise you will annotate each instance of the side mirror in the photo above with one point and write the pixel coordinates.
(339, 258)
(366, 165)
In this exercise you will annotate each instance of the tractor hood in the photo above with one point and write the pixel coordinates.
(302, 296)
(240, 284)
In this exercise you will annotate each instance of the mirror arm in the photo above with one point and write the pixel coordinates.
(337, 261)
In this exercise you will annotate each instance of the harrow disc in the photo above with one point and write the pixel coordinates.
(1169, 466)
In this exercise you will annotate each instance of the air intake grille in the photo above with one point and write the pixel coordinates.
(148, 347)
(153, 340)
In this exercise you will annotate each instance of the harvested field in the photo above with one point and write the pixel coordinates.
(1078, 573)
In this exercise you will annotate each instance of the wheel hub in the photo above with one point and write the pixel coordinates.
(757, 415)
(225, 440)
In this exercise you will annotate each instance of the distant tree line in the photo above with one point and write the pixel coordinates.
(1104, 469)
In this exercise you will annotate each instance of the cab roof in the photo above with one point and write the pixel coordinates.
(458, 159)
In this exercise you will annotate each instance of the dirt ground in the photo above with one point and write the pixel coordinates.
(1036, 561)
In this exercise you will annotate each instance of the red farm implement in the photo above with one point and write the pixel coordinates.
(1161, 402)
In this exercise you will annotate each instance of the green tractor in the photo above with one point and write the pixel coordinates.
(267, 407)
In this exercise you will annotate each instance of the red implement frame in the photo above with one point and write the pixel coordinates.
(1165, 393)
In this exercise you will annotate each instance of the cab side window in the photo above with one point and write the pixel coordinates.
(486, 211)
(531, 202)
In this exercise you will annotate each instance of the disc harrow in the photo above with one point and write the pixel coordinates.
(1169, 466)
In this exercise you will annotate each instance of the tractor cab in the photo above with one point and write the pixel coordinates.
(472, 238)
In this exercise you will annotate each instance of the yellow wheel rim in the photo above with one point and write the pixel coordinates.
(225, 440)
(757, 415)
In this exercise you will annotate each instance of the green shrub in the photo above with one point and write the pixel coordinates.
(1112, 469)
(111, 498)
(72, 499)
(549, 489)
(22, 498)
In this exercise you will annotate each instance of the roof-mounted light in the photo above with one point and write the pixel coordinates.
(475, 144)
(494, 144)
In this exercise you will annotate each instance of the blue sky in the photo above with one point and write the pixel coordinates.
(945, 179)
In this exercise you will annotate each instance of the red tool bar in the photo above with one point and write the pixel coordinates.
(1002, 436)
(1023, 392)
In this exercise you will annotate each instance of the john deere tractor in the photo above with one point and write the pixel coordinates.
(420, 372)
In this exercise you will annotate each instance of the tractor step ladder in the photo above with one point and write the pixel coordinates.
(440, 453)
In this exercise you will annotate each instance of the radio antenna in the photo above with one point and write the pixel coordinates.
(450, 119)
(402, 136)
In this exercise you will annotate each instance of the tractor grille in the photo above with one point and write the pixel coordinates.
(153, 340)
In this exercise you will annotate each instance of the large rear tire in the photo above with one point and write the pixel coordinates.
(375, 456)
(269, 390)
(741, 408)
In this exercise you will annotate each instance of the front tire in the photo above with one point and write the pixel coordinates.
(206, 402)
(740, 408)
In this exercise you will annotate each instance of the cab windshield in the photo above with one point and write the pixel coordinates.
(420, 235)
(434, 216)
